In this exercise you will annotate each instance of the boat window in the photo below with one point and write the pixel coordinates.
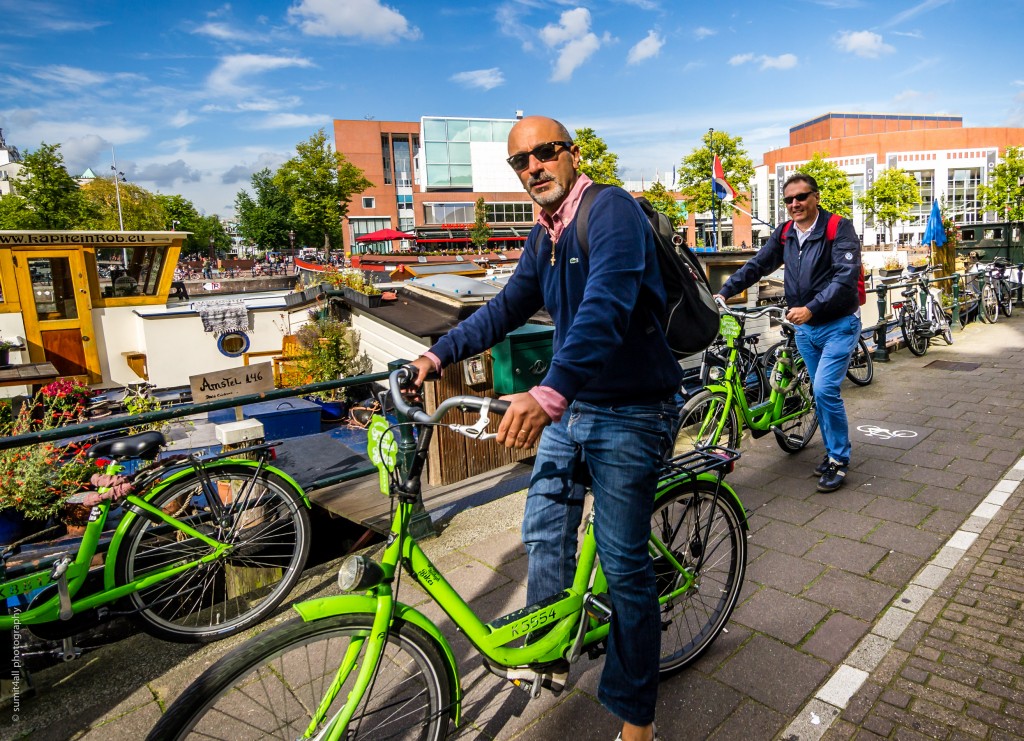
(233, 344)
(129, 271)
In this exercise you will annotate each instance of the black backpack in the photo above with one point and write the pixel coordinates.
(691, 320)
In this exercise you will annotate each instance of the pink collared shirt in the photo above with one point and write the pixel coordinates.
(552, 402)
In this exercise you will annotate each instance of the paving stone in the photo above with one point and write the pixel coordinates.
(793, 675)
(812, 722)
(791, 510)
(855, 595)
(784, 572)
(833, 640)
(870, 652)
(787, 538)
(905, 539)
(752, 721)
(694, 705)
(847, 554)
(780, 615)
(847, 524)
(907, 513)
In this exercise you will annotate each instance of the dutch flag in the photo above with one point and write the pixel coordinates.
(719, 185)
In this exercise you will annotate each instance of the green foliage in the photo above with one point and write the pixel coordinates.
(664, 201)
(180, 209)
(264, 221)
(480, 232)
(16, 213)
(330, 350)
(320, 183)
(1004, 194)
(50, 192)
(140, 209)
(892, 197)
(695, 172)
(835, 188)
(596, 162)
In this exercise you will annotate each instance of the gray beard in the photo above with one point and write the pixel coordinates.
(550, 195)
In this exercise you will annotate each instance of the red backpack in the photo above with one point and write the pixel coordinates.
(830, 236)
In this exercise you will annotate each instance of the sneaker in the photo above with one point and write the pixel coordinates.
(656, 736)
(822, 467)
(834, 476)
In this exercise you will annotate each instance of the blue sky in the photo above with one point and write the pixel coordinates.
(196, 96)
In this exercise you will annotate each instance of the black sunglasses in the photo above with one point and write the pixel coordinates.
(799, 197)
(543, 152)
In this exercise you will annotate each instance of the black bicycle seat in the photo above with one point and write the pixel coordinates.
(144, 445)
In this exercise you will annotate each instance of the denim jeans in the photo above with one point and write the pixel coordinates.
(826, 348)
(621, 448)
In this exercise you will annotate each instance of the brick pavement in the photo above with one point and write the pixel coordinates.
(887, 609)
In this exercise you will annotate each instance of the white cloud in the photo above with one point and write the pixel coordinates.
(702, 32)
(573, 40)
(783, 61)
(867, 44)
(909, 13)
(226, 79)
(222, 32)
(906, 96)
(293, 121)
(365, 19)
(690, 66)
(181, 119)
(74, 77)
(647, 47)
(484, 79)
(909, 34)
(168, 174)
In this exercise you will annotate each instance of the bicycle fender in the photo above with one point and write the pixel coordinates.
(717, 388)
(323, 607)
(672, 484)
(174, 475)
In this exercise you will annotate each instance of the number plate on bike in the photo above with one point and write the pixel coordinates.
(730, 328)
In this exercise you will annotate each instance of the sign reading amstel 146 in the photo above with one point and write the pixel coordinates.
(249, 379)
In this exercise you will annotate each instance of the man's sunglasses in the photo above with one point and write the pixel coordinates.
(543, 152)
(799, 197)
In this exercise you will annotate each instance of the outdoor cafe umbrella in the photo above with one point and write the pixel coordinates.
(384, 235)
(934, 233)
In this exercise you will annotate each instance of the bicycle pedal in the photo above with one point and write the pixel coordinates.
(597, 610)
(531, 681)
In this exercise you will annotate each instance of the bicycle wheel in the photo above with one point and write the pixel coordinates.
(793, 436)
(940, 320)
(915, 342)
(862, 366)
(699, 421)
(704, 533)
(270, 686)
(265, 521)
(989, 304)
(1005, 298)
(755, 384)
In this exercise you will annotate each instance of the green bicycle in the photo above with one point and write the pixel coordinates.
(208, 548)
(718, 413)
(365, 665)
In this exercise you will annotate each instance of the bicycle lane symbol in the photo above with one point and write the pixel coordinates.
(889, 433)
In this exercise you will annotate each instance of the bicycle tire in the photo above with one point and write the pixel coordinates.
(269, 686)
(989, 304)
(915, 342)
(861, 370)
(207, 603)
(941, 323)
(692, 621)
(755, 383)
(794, 435)
(1005, 298)
(698, 423)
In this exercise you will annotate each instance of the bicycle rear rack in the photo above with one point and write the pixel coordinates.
(703, 460)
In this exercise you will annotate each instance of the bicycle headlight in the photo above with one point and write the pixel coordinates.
(716, 373)
(359, 573)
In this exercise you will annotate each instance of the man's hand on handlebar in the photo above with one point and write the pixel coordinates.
(523, 422)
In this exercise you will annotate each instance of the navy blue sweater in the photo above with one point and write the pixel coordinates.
(823, 280)
(609, 347)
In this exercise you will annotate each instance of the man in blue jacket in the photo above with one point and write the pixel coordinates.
(605, 405)
(820, 283)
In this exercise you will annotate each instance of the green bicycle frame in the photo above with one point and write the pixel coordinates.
(562, 612)
(78, 570)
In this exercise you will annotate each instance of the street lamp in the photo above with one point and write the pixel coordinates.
(213, 253)
(291, 241)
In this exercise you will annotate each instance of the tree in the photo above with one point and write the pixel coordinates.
(15, 213)
(695, 172)
(264, 221)
(891, 198)
(480, 233)
(596, 161)
(140, 209)
(664, 201)
(181, 215)
(320, 183)
(1005, 192)
(833, 185)
(49, 191)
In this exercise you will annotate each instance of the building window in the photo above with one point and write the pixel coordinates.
(926, 187)
(447, 148)
(140, 277)
(754, 205)
(403, 161)
(962, 194)
(449, 213)
(385, 148)
(510, 213)
(369, 202)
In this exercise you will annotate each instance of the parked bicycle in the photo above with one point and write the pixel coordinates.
(716, 358)
(206, 548)
(921, 320)
(861, 370)
(719, 413)
(996, 292)
(365, 665)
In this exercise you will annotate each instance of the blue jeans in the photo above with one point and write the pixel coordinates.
(826, 348)
(622, 448)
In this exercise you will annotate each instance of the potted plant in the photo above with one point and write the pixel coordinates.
(330, 350)
(5, 351)
(892, 267)
(64, 401)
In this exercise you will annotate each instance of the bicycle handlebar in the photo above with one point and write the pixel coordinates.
(745, 313)
(403, 377)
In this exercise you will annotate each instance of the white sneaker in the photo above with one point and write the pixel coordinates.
(656, 736)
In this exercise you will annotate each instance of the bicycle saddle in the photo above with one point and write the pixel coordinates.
(144, 445)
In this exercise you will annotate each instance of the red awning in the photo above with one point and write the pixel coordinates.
(465, 240)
